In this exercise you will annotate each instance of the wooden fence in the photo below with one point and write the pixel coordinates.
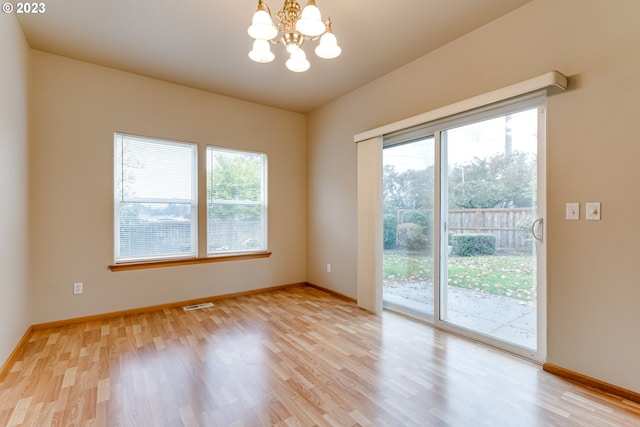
(510, 226)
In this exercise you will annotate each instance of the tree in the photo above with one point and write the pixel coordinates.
(411, 189)
(232, 178)
(501, 181)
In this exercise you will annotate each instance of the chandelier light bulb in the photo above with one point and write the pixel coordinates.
(328, 47)
(292, 48)
(310, 23)
(298, 61)
(261, 52)
(262, 27)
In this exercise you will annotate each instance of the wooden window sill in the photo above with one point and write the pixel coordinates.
(189, 261)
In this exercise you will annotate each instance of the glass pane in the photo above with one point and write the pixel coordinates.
(408, 188)
(234, 175)
(236, 208)
(235, 227)
(490, 283)
(155, 230)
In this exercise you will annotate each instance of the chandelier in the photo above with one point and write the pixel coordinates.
(294, 28)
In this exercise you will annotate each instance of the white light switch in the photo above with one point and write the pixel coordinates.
(77, 288)
(593, 211)
(573, 211)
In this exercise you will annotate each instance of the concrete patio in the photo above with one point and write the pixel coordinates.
(501, 317)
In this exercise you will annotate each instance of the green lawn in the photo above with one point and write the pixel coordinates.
(509, 275)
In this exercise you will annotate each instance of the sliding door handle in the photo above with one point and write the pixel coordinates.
(537, 222)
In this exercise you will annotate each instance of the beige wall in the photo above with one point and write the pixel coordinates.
(77, 107)
(14, 95)
(593, 152)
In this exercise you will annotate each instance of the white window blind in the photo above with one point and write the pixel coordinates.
(155, 199)
(236, 201)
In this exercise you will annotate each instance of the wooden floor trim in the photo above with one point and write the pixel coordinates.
(4, 370)
(140, 310)
(592, 382)
(332, 292)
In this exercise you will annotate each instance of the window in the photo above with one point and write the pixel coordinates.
(236, 201)
(155, 199)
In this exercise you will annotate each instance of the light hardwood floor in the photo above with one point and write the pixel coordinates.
(295, 357)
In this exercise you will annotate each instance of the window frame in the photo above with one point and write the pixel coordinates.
(198, 228)
(119, 198)
(262, 203)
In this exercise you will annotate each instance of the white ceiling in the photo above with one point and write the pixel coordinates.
(204, 43)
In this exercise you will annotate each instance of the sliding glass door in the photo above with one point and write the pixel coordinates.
(463, 224)
(408, 194)
(490, 205)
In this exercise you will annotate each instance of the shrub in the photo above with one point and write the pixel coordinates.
(473, 244)
(412, 236)
(389, 231)
(416, 217)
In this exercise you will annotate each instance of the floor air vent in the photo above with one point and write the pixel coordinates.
(197, 306)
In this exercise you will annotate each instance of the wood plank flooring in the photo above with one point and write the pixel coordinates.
(294, 357)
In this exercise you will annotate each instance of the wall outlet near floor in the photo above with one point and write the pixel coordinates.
(328, 268)
(78, 287)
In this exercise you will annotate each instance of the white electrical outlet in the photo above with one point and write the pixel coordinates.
(328, 268)
(78, 288)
